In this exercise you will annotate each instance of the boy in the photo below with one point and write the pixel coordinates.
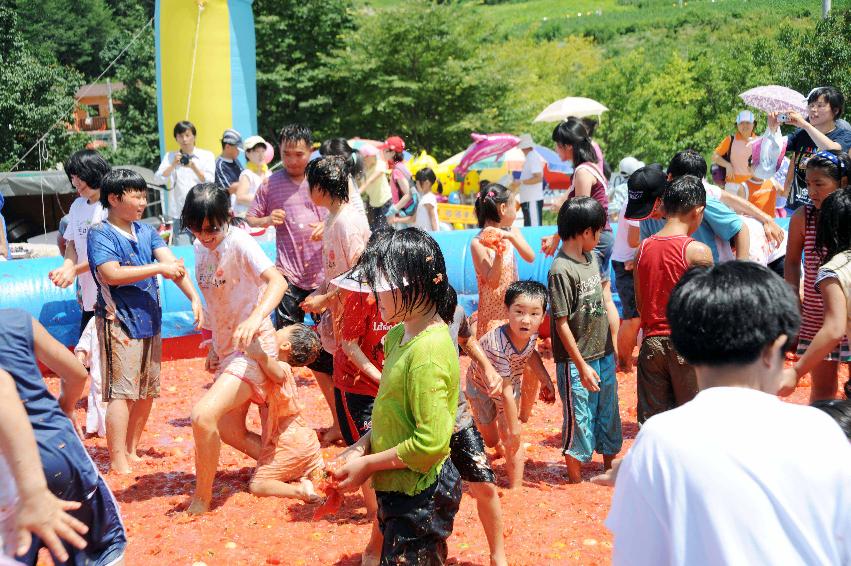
(582, 343)
(736, 476)
(509, 349)
(121, 252)
(665, 380)
(290, 452)
(85, 170)
(61, 493)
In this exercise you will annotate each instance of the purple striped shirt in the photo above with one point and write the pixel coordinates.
(299, 257)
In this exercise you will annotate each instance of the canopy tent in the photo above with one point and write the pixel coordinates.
(33, 183)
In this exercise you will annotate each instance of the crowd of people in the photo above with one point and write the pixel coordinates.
(699, 271)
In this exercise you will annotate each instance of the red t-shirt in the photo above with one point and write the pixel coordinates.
(362, 323)
(661, 264)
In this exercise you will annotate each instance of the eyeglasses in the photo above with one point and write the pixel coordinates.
(208, 230)
(816, 105)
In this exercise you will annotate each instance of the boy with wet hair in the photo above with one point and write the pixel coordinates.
(717, 479)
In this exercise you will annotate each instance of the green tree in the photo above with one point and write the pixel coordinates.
(820, 56)
(38, 92)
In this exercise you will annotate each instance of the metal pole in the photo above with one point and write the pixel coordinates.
(825, 9)
(112, 136)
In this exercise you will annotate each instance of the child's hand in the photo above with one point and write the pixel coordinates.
(788, 382)
(773, 233)
(547, 393)
(313, 303)
(549, 244)
(83, 357)
(245, 332)
(198, 313)
(353, 474)
(43, 514)
(173, 269)
(589, 378)
(255, 351)
(62, 277)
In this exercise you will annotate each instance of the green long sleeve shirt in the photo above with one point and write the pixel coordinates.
(415, 407)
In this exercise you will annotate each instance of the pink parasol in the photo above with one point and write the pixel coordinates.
(775, 98)
(484, 146)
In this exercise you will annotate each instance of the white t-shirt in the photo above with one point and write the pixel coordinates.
(254, 182)
(183, 178)
(423, 215)
(735, 476)
(621, 251)
(534, 165)
(80, 218)
(96, 411)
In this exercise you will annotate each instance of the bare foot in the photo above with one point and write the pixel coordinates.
(574, 469)
(197, 507)
(133, 457)
(120, 467)
(331, 435)
(307, 493)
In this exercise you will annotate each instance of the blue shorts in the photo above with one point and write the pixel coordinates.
(591, 421)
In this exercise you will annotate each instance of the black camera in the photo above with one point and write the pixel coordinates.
(184, 159)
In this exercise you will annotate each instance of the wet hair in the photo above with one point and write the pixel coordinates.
(447, 309)
(411, 261)
(526, 288)
(329, 175)
(833, 233)
(488, 201)
(183, 126)
(687, 162)
(294, 133)
(88, 165)
(304, 345)
(572, 132)
(426, 174)
(119, 181)
(341, 147)
(206, 201)
(832, 96)
(577, 215)
(833, 163)
(837, 409)
(683, 195)
(728, 314)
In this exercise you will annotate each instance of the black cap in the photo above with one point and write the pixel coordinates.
(644, 186)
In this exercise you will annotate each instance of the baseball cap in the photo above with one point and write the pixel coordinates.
(744, 116)
(254, 141)
(394, 143)
(629, 165)
(232, 137)
(526, 142)
(644, 186)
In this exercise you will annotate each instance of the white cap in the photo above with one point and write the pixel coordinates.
(629, 165)
(745, 116)
(526, 142)
(354, 281)
(254, 141)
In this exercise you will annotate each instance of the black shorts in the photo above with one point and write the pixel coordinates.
(467, 451)
(778, 266)
(625, 285)
(289, 312)
(415, 527)
(354, 412)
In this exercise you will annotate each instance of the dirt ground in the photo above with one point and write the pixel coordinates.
(547, 521)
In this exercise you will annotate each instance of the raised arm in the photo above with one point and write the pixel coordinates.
(487, 263)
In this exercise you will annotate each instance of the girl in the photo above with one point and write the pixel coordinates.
(404, 199)
(425, 217)
(827, 171)
(252, 176)
(241, 288)
(375, 189)
(354, 167)
(574, 144)
(406, 452)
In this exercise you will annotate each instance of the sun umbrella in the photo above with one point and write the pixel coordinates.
(484, 146)
(775, 98)
(570, 106)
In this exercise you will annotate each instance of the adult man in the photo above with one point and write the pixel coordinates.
(284, 202)
(182, 170)
(228, 167)
(530, 183)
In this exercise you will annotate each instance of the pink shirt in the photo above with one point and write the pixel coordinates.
(299, 258)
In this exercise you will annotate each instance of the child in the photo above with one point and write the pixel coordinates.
(406, 451)
(833, 283)
(59, 469)
(289, 453)
(733, 152)
(665, 380)
(734, 474)
(241, 287)
(510, 348)
(425, 217)
(343, 240)
(85, 170)
(121, 252)
(827, 171)
(88, 353)
(403, 195)
(375, 188)
(582, 343)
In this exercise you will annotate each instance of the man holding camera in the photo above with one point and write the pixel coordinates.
(181, 170)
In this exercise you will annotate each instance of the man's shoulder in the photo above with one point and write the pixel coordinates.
(841, 136)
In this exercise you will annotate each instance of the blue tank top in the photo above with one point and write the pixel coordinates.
(53, 430)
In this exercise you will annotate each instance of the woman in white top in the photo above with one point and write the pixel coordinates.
(252, 176)
(425, 216)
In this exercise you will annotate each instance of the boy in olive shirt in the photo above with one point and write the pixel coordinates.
(582, 344)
